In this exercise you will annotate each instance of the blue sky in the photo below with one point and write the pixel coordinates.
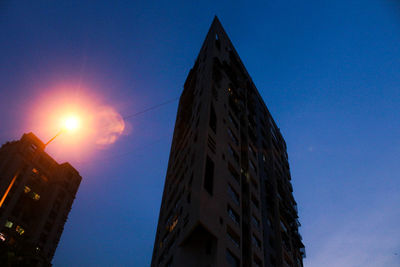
(328, 71)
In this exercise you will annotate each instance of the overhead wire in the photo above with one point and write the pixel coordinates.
(131, 116)
(151, 108)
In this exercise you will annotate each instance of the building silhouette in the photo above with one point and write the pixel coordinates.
(227, 197)
(36, 196)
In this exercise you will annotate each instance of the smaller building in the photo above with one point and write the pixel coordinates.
(36, 195)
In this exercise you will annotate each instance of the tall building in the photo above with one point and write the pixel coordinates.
(36, 196)
(227, 197)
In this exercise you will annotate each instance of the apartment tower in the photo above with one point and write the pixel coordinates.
(227, 197)
(36, 196)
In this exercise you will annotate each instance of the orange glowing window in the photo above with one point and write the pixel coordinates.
(20, 230)
(27, 189)
(173, 225)
(34, 170)
(36, 196)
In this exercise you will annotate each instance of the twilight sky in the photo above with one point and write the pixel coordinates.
(328, 71)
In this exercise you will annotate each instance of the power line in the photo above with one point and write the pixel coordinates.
(151, 108)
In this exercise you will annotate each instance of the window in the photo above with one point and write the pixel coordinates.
(35, 196)
(33, 147)
(27, 189)
(233, 153)
(252, 150)
(255, 221)
(233, 137)
(231, 119)
(233, 194)
(20, 230)
(8, 224)
(255, 241)
(213, 119)
(233, 173)
(234, 216)
(254, 201)
(209, 176)
(283, 227)
(252, 166)
(173, 224)
(234, 237)
(232, 260)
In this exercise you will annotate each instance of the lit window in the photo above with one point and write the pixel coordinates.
(27, 189)
(173, 225)
(34, 170)
(2, 237)
(283, 226)
(8, 224)
(35, 196)
(20, 230)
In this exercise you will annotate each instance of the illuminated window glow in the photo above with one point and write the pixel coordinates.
(20, 230)
(173, 225)
(2, 237)
(36, 196)
(8, 224)
(27, 190)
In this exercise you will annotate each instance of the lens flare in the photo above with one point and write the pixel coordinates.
(86, 122)
(111, 123)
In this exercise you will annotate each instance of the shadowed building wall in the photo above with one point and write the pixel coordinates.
(36, 196)
(227, 197)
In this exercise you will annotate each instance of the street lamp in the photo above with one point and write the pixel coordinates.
(70, 124)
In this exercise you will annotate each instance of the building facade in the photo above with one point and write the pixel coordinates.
(36, 196)
(227, 198)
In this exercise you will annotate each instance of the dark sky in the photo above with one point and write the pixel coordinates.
(328, 71)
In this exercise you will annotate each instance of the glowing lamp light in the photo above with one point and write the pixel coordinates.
(71, 124)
